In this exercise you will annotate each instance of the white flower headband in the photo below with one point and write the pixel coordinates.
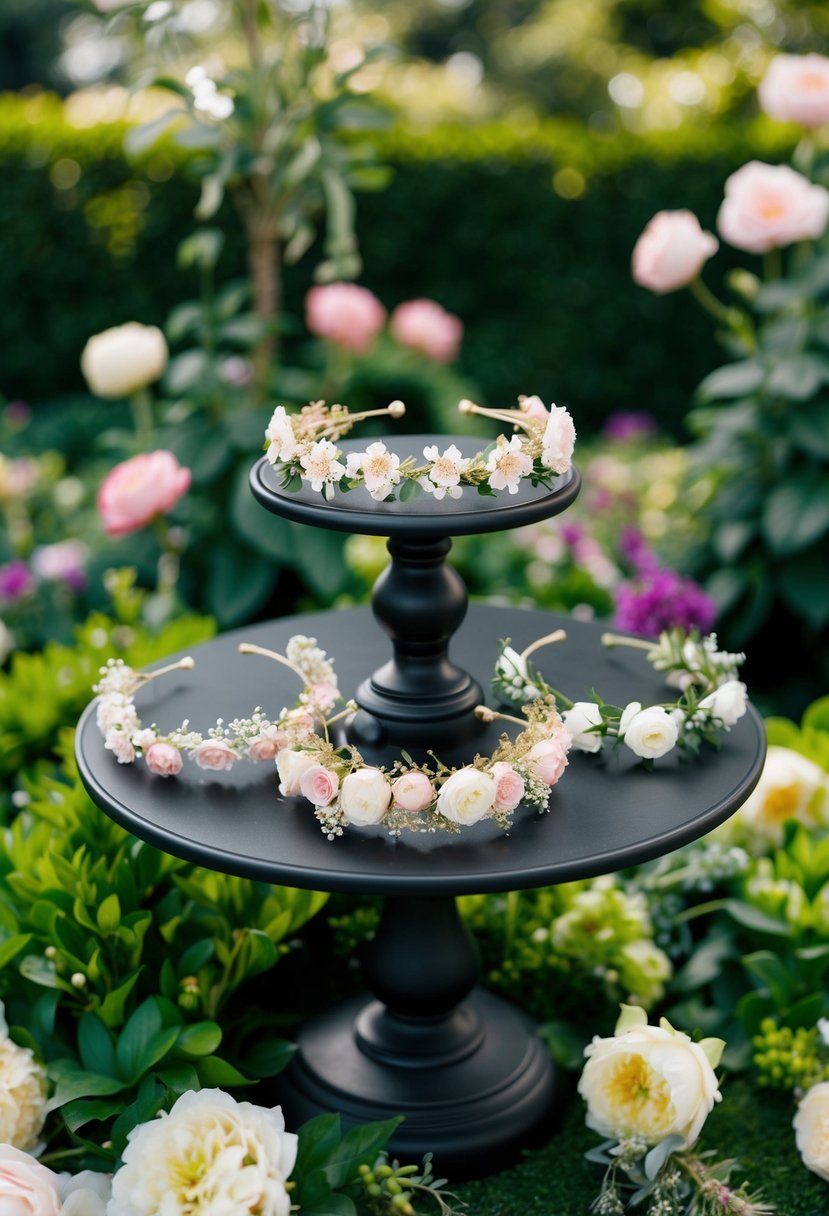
(712, 698)
(302, 448)
(340, 786)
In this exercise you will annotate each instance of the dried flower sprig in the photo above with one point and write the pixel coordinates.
(302, 448)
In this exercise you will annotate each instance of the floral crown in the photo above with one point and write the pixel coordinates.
(346, 791)
(302, 448)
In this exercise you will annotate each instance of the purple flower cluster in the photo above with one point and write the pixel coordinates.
(625, 425)
(16, 581)
(656, 598)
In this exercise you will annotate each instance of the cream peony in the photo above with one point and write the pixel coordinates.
(27, 1188)
(22, 1092)
(122, 360)
(365, 796)
(795, 88)
(85, 1194)
(210, 1155)
(671, 251)
(727, 703)
(790, 787)
(578, 720)
(811, 1126)
(291, 765)
(466, 796)
(767, 206)
(650, 733)
(649, 1081)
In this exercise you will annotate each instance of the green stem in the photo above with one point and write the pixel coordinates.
(706, 298)
(169, 563)
(141, 407)
(773, 265)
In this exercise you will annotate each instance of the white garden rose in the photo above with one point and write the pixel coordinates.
(27, 1188)
(22, 1092)
(651, 733)
(365, 796)
(649, 1081)
(728, 702)
(790, 787)
(210, 1155)
(811, 1126)
(466, 796)
(84, 1194)
(291, 766)
(121, 360)
(578, 720)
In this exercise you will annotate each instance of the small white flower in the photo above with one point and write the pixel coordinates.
(322, 469)
(578, 720)
(727, 703)
(206, 96)
(558, 441)
(379, 469)
(445, 474)
(628, 714)
(651, 733)
(282, 444)
(120, 744)
(507, 464)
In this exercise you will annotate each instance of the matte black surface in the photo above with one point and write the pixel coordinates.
(470, 514)
(606, 813)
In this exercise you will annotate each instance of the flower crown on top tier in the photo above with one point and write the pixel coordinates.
(302, 447)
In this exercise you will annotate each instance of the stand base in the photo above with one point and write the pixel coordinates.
(475, 1093)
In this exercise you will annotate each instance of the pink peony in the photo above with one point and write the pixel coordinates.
(795, 88)
(509, 787)
(27, 1188)
(319, 785)
(423, 325)
(766, 206)
(345, 314)
(138, 489)
(268, 745)
(671, 251)
(547, 760)
(412, 792)
(163, 759)
(215, 754)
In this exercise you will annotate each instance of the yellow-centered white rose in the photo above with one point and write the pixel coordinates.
(649, 1081)
(811, 1126)
(466, 796)
(124, 359)
(790, 787)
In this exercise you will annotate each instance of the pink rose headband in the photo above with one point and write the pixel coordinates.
(302, 448)
(345, 791)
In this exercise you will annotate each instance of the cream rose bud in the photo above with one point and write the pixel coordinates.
(365, 796)
(767, 206)
(795, 88)
(728, 702)
(466, 796)
(291, 765)
(319, 785)
(509, 787)
(651, 733)
(121, 360)
(27, 1188)
(412, 792)
(578, 720)
(811, 1127)
(649, 1082)
(671, 251)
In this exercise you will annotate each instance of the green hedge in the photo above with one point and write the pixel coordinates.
(471, 218)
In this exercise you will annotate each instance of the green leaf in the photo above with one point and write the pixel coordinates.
(803, 584)
(409, 489)
(134, 1040)
(140, 139)
(75, 1082)
(752, 918)
(238, 584)
(111, 1009)
(358, 1145)
(95, 1045)
(810, 430)
(319, 558)
(733, 380)
(317, 1138)
(631, 1015)
(797, 512)
(12, 946)
(210, 200)
(731, 538)
(109, 914)
(798, 377)
(657, 1156)
(195, 957)
(781, 732)
(84, 1110)
(329, 1204)
(200, 1039)
(179, 1077)
(816, 716)
(773, 973)
(214, 1072)
(805, 1012)
(265, 533)
(268, 1057)
(713, 1049)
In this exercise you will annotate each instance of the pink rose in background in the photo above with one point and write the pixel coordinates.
(412, 792)
(423, 325)
(509, 787)
(269, 744)
(164, 760)
(215, 754)
(795, 88)
(345, 314)
(64, 561)
(319, 785)
(547, 760)
(767, 206)
(671, 251)
(140, 488)
(27, 1188)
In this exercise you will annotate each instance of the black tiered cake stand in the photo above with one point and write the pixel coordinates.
(464, 1067)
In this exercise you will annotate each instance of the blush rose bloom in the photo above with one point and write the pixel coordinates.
(547, 760)
(649, 733)
(137, 490)
(319, 785)
(215, 754)
(811, 1126)
(795, 88)
(412, 792)
(268, 745)
(27, 1188)
(423, 325)
(291, 765)
(509, 787)
(649, 1082)
(346, 314)
(467, 796)
(163, 759)
(767, 206)
(365, 796)
(578, 721)
(123, 359)
(671, 251)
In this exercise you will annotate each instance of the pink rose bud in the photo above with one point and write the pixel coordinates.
(412, 792)
(319, 785)
(509, 786)
(268, 745)
(138, 489)
(767, 206)
(795, 88)
(215, 754)
(163, 759)
(671, 251)
(547, 760)
(348, 315)
(423, 325)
